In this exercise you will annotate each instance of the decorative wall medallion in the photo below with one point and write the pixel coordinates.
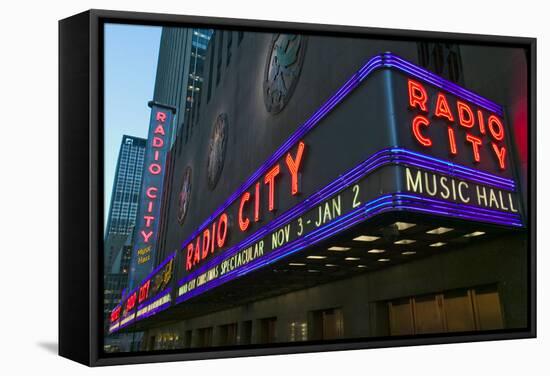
(284, 63)
(184, 195)
(216, 150)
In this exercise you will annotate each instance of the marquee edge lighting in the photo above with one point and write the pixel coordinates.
(384, 60)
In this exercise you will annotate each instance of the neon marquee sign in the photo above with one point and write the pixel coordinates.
(213, 238)
(430, 184)
(146, 231)
(461, 116)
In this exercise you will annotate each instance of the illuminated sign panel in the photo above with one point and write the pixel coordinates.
(452, 142)
(394, 137)
(146, 231)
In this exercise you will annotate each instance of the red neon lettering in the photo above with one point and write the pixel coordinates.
(158, 142)
(501, 155)
(452, 140)
(131, 302)
(150, 207)
(417, 96)
(154, 168)
(151, 192)
(243, 222)
(497, 134)
(269, 179)
(418, 121)
(257, 203)
(465, 114)
(442, 109)
(222, 235)
(213, 237)
(481, 121)
(148, 220)
(144, 291)
(189, 259)
(161, 116)
(146, 235)
(197, 257)
(159, 130)
(476, 142)
(293, 167)
(115, 314)
(205, 243)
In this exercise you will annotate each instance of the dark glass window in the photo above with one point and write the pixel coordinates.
(443, 59)
(219, 65)
(229, 44)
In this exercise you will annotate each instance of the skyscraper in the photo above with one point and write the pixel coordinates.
(180, 74)
(124, 197)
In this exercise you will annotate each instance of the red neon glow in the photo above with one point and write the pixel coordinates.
(452, 140)
(442, 109)
(131, 302)
(155, 169)
(213, 242)
(465, 114)
(189, 258)
(159, 130)
(144, 291)
(222, 232)
(115, 314)
(205, 243)
(243, 222)
(418, 121)
(501, 155)
(257, 203)
(151, 192)
(417, 95)
(158, 142)
(269, 179)
(146, 235)
(148, 220)
(498, 133)
(476, 143)
(481, 121)
(161, 116)
(197, 255)
(293, 167)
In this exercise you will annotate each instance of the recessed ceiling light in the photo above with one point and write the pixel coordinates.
(438, 244)
(384, 259)
(314, 257)
(376, 251)
(330, 265)
(366, 238)
(313, 271)
(339, 249)
(405, 241)
(361, 266)
(403, 225)
(296, 264)
(475, 233)
(352, 258)
(408, 253)
(439, 230)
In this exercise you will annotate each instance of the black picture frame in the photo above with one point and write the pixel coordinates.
(81, 184)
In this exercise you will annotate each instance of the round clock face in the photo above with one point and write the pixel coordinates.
(216, 150)
(184, 195)
(284, 63)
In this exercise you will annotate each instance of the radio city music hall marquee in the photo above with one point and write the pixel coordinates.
(430, 147)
